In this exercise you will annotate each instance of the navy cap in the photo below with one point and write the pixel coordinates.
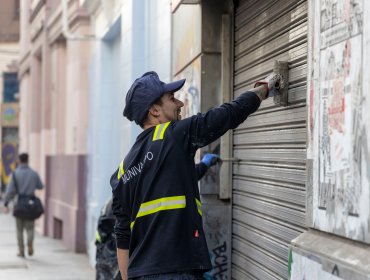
(144, 92)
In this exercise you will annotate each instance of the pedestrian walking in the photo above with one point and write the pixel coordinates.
(159, 232)
(23, 183)
(106, 266)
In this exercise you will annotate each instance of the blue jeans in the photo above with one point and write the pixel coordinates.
(188, 275)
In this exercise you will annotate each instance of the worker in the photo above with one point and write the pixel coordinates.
(106, 266)
(159, 232)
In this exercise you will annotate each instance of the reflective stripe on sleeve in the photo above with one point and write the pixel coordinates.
(199, 206)
(160, 130)
(160, 204)
(121, 171)
(97, 237)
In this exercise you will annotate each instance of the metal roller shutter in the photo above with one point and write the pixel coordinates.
(269, 181)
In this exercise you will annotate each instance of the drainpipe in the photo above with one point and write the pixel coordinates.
(66, 32)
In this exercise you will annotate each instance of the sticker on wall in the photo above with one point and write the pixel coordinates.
(9, 114)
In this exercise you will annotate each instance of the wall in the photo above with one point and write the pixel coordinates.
(105, 114)
(24, 75)
(146, 46)
(65, 208)
(338, 157)
(318, 255)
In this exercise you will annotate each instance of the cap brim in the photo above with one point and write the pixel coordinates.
(174, 86)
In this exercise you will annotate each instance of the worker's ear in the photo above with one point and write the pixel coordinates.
(154, 110)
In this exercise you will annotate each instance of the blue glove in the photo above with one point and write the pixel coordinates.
(210, 159)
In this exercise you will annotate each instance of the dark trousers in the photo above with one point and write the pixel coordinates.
(27, 225)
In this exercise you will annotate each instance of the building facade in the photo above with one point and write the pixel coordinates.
(54, 60)
(9, 89)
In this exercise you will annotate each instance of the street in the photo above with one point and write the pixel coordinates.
(51, 260)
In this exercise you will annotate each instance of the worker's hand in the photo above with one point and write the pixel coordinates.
(6, 210)
(210, 159)
(272, 83)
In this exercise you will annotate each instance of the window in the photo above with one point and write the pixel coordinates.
(11, 87)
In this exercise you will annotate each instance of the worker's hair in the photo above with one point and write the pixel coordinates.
(23, 158)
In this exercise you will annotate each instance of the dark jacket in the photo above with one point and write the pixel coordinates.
(155, 192)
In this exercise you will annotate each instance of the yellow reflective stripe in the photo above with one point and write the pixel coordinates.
(156, 132)
(159, 131)
(199, 206)
(164, 129)
(160, 204)
(121, 171)
(97, 236)
(197, 201)
(165, 203)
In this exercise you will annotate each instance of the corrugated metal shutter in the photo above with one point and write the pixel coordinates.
(269, 181)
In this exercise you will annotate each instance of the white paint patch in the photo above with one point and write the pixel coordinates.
(307, 269)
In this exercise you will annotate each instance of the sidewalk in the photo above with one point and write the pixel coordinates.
(52, 261)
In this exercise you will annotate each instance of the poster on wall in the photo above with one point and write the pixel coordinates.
(341, 196)
(9, 160)
(9, 115)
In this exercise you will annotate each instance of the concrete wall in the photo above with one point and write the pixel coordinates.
(105, 114)
(24, 76)
(66, 204)
(338, 155)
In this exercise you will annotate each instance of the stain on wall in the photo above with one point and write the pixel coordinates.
(190, 92)
(338, 129)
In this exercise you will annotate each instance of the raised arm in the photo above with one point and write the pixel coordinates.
(202, 129)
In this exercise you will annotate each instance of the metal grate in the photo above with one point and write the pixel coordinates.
(269, 181)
